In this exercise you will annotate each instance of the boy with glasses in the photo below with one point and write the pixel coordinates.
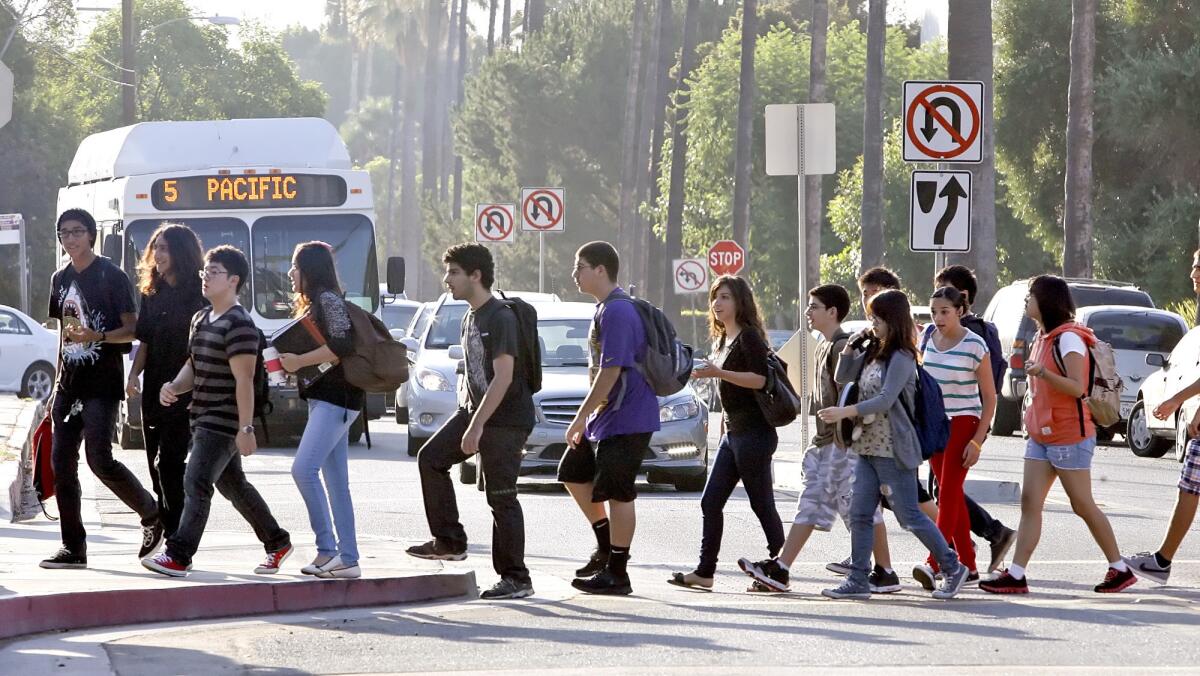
(223, 353)
(93, 300)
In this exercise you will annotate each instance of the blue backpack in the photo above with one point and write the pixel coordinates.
(929, 419)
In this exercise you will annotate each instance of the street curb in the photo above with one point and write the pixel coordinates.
(34, 614)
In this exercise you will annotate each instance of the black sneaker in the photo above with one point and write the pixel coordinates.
(883, 582)
(1115, 580)
(605, 583)
(65, 558)
(1005, 584)
(1000, 547)
(839, 567)
(152, 537)
(434, 549)
(768, 572)
(597, 563)
(508, 588)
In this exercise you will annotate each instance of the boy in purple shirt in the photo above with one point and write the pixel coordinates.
(611, 432)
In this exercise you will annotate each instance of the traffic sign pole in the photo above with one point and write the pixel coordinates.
(541, 262)
(802, 296)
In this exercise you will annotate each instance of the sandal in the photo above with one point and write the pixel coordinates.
(681, 580)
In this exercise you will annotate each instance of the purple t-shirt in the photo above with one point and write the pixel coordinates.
(618, 338)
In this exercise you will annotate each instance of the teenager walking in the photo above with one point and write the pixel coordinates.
(748, 441)
(169, 282)
(93, 301)
(494, 419)
(828, 468)
(958, 360)
(1062, 436)
(222, 351)
(1156, 565)
(888, 449)
(333, 405)
(611, 432)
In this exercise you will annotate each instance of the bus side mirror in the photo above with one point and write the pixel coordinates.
(395, 275)
(112, 248)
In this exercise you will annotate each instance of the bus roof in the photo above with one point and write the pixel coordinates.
(159, 147)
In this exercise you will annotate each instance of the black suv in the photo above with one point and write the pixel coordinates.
(1007, 312)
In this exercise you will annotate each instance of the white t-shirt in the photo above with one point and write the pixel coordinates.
(1069, 342)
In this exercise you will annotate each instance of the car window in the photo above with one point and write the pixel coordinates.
(446, 328)
(420, 321)
(11, 324)
(1129, 331)
(1087, 296)
(564, 342)
(398, 316)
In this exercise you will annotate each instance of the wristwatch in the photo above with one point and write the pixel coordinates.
(248, 429)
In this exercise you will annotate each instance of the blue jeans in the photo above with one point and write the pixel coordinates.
(875, 476)
(324, 452)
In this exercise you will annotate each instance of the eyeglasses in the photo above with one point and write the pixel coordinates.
(206, 273)
(71, 232)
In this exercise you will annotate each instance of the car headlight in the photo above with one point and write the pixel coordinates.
(681, 409)
(433, 380)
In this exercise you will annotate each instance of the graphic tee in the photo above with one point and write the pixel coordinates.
(94, 298)
(487, 333)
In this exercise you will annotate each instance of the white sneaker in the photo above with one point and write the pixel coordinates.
(336, 569)
(315, 567)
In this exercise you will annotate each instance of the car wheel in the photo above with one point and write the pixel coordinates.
(1105, 434)
(466, 472)
(691, 483)
(1007, 419)
(38, 382)
(356, 429)
(1181, 438)
(415, 443)
(1141, 441)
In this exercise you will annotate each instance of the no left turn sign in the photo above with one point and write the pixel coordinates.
(494, 223)
(943, 121)
(543, 210)
(690, 275)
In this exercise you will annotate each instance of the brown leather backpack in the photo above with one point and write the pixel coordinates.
(379, 362)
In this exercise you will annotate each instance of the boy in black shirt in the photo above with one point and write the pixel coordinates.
(494, 419)
(93, 300)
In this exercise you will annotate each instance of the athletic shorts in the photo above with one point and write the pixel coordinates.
(1189, 476)
(611, 465)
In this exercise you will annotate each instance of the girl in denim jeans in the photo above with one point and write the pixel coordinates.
(1062, 435)
(333, 404)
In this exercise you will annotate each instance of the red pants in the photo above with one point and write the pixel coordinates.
(952, 519)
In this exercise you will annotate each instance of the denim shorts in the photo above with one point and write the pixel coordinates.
(1069, 456)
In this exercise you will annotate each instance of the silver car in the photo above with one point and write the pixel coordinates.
(678, 453)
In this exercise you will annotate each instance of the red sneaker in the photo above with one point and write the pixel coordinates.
(1005, 584)
(163, 563)
(274, 560)
(1115, 580)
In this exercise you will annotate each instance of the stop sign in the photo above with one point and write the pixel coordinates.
(726, 257)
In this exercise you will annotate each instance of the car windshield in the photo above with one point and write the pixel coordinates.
(1086, 296)
(446, 328)
(276, 237)
(1129, 331)
(564, 342)
(777, 337)
(212, 232)
(398, 316)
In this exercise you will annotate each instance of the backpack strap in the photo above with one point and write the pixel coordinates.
(926, 336)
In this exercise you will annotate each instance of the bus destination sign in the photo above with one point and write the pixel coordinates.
(252, 191)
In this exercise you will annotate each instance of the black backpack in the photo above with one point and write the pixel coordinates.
(668, 364)
(262, 389)
(527, 336)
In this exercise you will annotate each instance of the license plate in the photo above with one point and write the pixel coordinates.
(1126, 407)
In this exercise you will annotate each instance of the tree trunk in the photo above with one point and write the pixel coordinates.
(742, 162)
(872, 204)
(627, 207)
(449, 88)
(814, 205)
(430, 129)
(646, 117)
(969, 44)
(491, 43)
(674, 239)
(1077, 208)
(506, 24)
(666, 52)
(537, 15)
(368, 77)
(394, 228)
(459, 96)
(410, 200)
(354, 59)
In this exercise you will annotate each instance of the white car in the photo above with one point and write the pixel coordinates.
(28, 353)
(1148, 436)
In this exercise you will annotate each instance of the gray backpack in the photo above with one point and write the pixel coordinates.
(668, 364)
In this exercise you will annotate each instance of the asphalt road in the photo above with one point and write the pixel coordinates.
(668, 630)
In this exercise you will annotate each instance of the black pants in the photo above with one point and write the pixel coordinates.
(500, 463)
(746, 457)
(215, 461)
(166, 454)
(983, 523)
(93, 427)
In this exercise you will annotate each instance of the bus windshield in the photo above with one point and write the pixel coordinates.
(211, 231)
(276, 237)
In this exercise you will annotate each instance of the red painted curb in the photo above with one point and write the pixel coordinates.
(24, 615)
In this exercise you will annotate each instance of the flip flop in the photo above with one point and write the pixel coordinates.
(677, 579)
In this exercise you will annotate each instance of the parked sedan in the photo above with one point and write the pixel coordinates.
(28, 353)
(1148, 436)
(678, 453)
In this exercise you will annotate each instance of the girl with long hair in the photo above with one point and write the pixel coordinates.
(748, 441)
(883, 361)
(333, 405)
(170, 295)
(1062, 436)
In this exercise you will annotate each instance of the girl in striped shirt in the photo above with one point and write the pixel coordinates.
(958, 360)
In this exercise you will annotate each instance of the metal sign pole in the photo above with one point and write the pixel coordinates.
(541, 262)
(802, 296)
(24, 256)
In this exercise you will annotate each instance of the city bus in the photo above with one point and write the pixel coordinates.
(262, 185)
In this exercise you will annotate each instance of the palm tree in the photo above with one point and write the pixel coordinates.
(491, 39)
(430, 127)
(506, 24)
(675, 194)
(1077, 208)
(627, 198)
(658, 129)
(745, 126)
(814, 206)
(969, 32)
(872, 199)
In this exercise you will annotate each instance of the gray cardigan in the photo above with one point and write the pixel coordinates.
(900, 379)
